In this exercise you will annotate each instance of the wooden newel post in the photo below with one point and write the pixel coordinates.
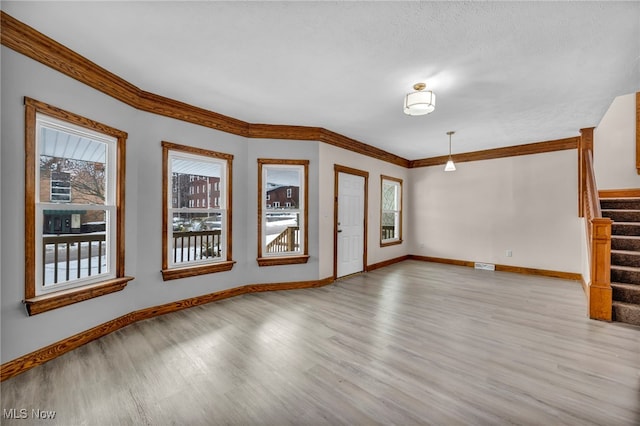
(600, 287)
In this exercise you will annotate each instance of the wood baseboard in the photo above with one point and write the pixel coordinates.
(384, 263)
(619, 193)
(585, 287)
(504, 268)
(441, 260)
(40, 356)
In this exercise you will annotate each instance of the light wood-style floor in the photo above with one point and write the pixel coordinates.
(413, 343)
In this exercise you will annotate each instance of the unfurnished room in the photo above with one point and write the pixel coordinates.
(318, 212)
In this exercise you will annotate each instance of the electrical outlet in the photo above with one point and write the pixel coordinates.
(509, 253)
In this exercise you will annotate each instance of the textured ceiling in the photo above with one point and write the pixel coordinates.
(505, 73)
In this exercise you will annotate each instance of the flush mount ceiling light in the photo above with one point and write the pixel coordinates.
(420, 102)
(450, 167)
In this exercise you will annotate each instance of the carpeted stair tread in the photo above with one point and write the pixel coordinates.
(625, 274)
(631, 203)
(626, 293)
(626, 228)
(625, 242)
(626, 312)
(625, 258)
(620, 215)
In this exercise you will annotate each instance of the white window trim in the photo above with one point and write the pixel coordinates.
(397, 212)
(109, 207)
(268, 208)
(221, 210)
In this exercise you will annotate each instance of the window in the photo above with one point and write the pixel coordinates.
(391, 211)
(282, 232)
(196, 240)
(74, 219)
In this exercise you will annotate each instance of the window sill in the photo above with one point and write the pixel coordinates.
(192, 271)
(282, 260)
(390, 243)
(47, 302)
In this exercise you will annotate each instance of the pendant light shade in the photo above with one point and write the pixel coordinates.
(450, 167)
(420, 102)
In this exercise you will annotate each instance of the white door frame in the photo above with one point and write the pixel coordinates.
(348, 170)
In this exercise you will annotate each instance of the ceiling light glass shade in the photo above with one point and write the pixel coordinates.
(419, 103)
(450, 167)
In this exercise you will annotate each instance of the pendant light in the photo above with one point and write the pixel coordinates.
(450, 167)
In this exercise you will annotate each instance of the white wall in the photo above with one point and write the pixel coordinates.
(586, 266)
(21, 334)
(330, 156)
(614, 146)
(526, 204)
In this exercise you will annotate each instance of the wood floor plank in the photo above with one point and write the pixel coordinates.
(411, 343)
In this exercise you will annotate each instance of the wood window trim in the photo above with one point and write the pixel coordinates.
(59, 299)
(399, 240)
(282, 260)
(192, 271)
(198, 269)
(43, 303)
(292, 259)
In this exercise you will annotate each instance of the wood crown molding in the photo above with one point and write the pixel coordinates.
(40, 356)
(29, 42)
(509, 151)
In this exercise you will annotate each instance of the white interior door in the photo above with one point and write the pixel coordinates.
(350, 250)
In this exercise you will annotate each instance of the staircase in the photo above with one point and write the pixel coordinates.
(625, 257)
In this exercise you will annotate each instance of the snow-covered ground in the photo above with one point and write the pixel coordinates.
(49, 269)
(192, 253)
(273, 229)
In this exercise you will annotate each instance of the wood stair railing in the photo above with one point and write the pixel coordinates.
(599, 293)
